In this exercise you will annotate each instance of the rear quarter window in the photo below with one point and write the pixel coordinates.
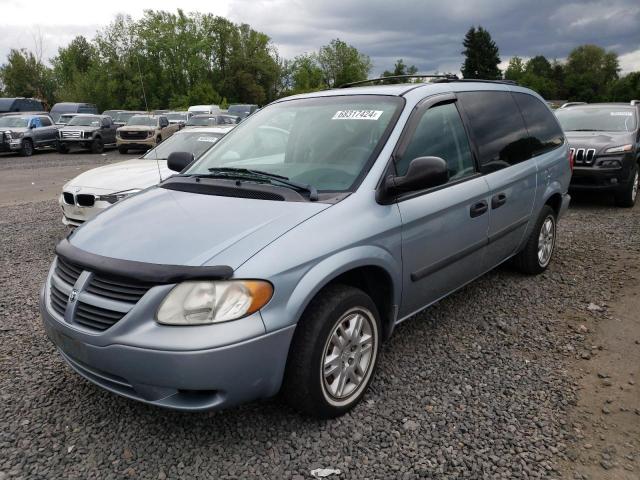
(497, 128)
(545, 133)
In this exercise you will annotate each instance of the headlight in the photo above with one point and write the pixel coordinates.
(198, 303)
(620, 149)
(117, 196)
(17, 134)
(150, 133)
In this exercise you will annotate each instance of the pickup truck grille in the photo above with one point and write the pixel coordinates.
(70, 134)
(99, 302)
(126, 135)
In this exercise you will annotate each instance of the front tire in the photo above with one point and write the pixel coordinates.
(334, 353)
(97, 146)
(626, 197)
(536, 255)
(26, 149)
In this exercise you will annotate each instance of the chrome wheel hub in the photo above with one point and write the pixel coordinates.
(349, 354)
(546, 241)
(634, 189)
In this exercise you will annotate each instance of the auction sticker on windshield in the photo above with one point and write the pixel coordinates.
(208, 139)
(357, 115)
(621, 114)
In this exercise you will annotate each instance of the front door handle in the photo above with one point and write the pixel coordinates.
(498, 200)
(478, 209)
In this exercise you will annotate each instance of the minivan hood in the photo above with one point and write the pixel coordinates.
(122, 176)
(171, 227)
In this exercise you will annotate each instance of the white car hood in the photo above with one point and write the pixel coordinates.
(123, 176)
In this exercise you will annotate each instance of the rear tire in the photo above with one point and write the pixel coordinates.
(123, 150)
(333, 353)
(97, 146)
(26, 150)
(626, 197)
(537, 253)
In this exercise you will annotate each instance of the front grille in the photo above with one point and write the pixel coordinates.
(583, 156)
(133, 135)
(68, 272)
(68, 198)
(70, 134)
(58, 300)
(101, 301)
(96, 318)
(116, 289)
(85, 200)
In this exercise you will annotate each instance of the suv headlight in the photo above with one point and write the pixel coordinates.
(620, 149)
(16, 134)
(207, 302)
(117, 196)
(150, 133)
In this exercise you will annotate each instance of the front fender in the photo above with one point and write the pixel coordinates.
(287, 309)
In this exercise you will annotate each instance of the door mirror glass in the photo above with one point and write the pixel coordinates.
(423, 173)
(178, 161)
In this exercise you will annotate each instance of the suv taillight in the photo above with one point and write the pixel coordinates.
(571, 154)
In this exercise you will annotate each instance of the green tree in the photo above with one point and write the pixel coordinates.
(481, 55)
(590, 72)
(306, 74)
(342, 63)
(515, 69)
(400, 68)
(626, 88)
(539, 66)
(24, 75)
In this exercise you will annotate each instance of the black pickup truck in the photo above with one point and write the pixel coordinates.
(93, 132)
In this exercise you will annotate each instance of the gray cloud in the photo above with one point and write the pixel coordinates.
(426, 33)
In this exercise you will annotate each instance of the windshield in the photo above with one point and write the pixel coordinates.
(123, 117)
(601, 119)
(82, 121)
(192, 142)
(326, 142)
(14, 121)
(176, 116)
(142, 120)
(240, 110)
(64, 118)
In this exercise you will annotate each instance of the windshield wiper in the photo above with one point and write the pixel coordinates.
(246, 173)
(583, 130)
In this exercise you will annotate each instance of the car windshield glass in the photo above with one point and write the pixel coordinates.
(65, 118)
(201, 121)
(82, 121)
(176, 116)
(326, 142)
(142, 120)
(15, 122)
(601, 119)
(192, 142)
(239, 109)
(123, 117)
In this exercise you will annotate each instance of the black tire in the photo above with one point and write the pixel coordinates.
(158, 140)
(307, 385)
(97, 146)
(26, 150)
(123, 150)
(528, 260)
(62, 148)
(626, 197)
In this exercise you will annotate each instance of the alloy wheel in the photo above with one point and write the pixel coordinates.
(546, 241)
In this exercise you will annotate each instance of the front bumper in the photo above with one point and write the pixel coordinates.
(136, 143)
(188, 380)
(597, 178)
(75, 215)
(12, 145)
(76, 142)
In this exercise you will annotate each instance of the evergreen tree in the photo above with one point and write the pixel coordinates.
(481, 55)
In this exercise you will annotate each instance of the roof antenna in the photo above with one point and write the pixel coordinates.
(146, 106)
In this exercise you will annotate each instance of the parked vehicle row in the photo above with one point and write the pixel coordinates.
(282, 257)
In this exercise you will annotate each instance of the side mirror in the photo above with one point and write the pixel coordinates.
(423, 172)
(178, 161)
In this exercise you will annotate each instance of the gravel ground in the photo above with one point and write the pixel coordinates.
(476, 387)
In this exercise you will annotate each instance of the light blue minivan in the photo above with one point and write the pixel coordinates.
(283, 258)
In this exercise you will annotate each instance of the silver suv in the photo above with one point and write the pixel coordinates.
(284, 256)
(23, 133)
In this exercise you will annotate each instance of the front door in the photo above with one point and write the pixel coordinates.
(444, 229)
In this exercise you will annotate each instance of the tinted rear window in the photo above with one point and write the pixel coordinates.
(544, 132)
(497, 127)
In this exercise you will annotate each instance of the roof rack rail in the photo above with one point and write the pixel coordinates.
(446, 76)
(635, 102)
(437, 78)
(572, 104)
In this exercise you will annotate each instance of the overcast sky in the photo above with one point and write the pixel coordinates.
(423, 32)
